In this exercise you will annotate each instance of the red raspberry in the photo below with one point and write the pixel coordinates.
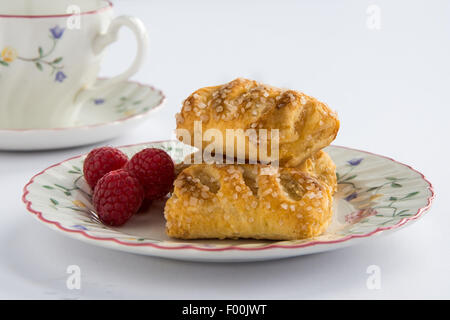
(100, 161)
(117, 196)
(154, 169)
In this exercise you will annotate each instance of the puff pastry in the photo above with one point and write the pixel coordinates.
(322, 167)
(319, 166)
(305, 125)
(247, 201)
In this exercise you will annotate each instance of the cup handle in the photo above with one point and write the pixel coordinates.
(110, 36)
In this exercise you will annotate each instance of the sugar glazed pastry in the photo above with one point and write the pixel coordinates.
(247, 201)
(253, 198)
(319, 166)
(305, 125)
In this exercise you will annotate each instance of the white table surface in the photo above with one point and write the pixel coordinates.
(389, 86)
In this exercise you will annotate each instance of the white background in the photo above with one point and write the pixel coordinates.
(389, 86)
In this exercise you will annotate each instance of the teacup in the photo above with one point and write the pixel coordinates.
(50, 55)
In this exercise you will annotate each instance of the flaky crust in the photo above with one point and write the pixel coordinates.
(319, 166)
(247, 201)
(322, 167)
(305, 124)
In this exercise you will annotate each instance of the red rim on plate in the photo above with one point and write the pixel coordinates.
(108, 6)
(400, 223)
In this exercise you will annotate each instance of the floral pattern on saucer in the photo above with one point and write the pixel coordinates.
(374, 194)
(113, 112)
(124, 105)
(121, 102)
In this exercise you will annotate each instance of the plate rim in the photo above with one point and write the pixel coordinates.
(101, 124)
(38, 214)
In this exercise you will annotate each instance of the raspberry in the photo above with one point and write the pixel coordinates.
(117, 196)
(100, 161)
(154, 169)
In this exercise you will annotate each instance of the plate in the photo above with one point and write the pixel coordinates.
(110, 114)
(376, 195)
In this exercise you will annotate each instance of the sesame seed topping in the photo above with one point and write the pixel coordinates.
(205, 195)
(268, 171)
(178, 183)
(230, 170)
(193, 201)
(302, 100)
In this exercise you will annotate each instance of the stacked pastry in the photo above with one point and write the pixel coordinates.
(252, 197)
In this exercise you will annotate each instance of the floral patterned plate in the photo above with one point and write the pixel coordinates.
(116, 110)
(376, 195)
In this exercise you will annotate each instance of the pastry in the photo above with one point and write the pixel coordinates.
(322, 167)
(319, 166)
(247, 201)
(303, 125)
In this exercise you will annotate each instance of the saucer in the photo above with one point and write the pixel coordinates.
(376, 196)
(110, 114)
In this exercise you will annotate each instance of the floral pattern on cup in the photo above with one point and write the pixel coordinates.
(9, 54)
(42, 60)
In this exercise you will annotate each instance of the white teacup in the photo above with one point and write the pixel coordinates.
(50, 54)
